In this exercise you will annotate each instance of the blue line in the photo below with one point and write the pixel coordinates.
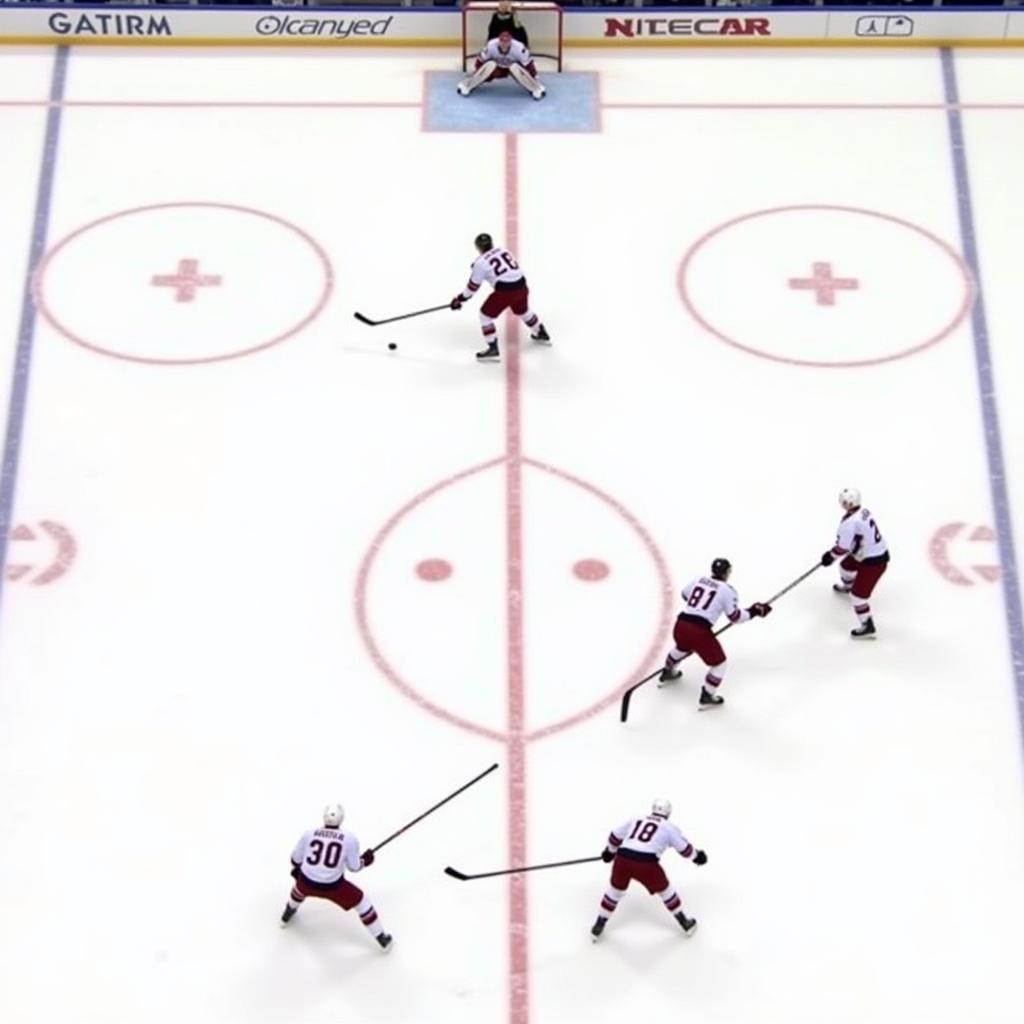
(986, 385)
(27, 327)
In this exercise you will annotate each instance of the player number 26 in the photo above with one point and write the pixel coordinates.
(502, 257)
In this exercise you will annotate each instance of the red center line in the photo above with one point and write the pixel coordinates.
(418, 104)
(206, 104)
(755, 105)
(519, 991)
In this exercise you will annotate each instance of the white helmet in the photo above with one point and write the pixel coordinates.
(661, 808)
(849, 498)
(334, 815)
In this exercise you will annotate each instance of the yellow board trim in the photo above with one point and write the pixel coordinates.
(454, 44)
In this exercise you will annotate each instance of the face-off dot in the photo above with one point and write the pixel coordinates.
(591, 570)
(433, 570)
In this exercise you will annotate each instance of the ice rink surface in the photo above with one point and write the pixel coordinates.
(256, 562)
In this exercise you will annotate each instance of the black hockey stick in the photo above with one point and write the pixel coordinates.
(405, 316)
(462, 877)
(440, 803)
(628, 695)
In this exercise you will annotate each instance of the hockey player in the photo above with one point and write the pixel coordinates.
(499, 268)
(633, 850)
(319, 862)
(707, 597)
(503, 58)
(505, 19)
(865, 557)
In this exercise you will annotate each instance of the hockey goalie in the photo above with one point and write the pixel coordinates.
(504, 57)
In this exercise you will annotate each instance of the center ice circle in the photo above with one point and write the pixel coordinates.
(185, 282)
(558, 634)
(825, 286)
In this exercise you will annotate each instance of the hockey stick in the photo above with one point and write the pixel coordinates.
(440, 803)
(515, 871)
(405, 316)
(628, 695)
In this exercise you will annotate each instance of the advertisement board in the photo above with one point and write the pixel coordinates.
(620, 27)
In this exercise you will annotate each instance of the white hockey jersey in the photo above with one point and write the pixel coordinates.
(516, 54)
(858, 535)
(325, 854)
(650, 834)
(710, 598)
(495, 265)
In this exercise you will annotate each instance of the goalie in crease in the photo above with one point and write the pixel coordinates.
(504, 58)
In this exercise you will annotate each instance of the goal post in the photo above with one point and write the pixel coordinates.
(542, 21)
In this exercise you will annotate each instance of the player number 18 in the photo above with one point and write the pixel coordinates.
(644, 831)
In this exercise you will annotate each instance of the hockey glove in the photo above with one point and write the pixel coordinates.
(607, 855)
(295, 872)
(828, 558)
(368, 858)
(758, 610)
(700, 857)
(456, 303)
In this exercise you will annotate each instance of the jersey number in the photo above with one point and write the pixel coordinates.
(506, 258)
(644, 831)
(332, 857)
(697, 593)
(878, 536)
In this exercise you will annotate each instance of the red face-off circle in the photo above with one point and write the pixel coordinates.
(183, 283)
(825, 286)
(587, 632)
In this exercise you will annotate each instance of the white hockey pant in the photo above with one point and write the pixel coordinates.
(482, 73)
(525, 79)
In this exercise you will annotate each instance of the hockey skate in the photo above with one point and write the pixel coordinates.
(842, 588)
(463, 89)
(709, 700)
(538, 93)
(598, 927)
(489, 354)
(865, 632)
(288, 914)
(668, 676)
(688, 924)
(541, 337)
(384, 941)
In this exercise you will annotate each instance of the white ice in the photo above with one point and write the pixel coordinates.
(179, 704)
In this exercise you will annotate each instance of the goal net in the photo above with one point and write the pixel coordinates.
(542, 21)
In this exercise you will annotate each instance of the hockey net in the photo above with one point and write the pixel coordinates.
(542, 21)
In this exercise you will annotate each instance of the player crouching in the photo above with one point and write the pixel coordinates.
(319, 862)
(503, 58)
(634, 849)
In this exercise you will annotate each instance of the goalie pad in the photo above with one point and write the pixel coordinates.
(482, 73)
(526, 80)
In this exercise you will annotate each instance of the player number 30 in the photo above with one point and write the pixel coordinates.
(331, 858)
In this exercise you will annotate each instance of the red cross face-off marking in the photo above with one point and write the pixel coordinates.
(823, 284)
(186, 281)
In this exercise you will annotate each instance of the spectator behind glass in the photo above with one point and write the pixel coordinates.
(505, 19)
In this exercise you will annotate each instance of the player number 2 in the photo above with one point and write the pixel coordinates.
(697, 593)
(331, 858)
(644, 831)
(506, 258)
